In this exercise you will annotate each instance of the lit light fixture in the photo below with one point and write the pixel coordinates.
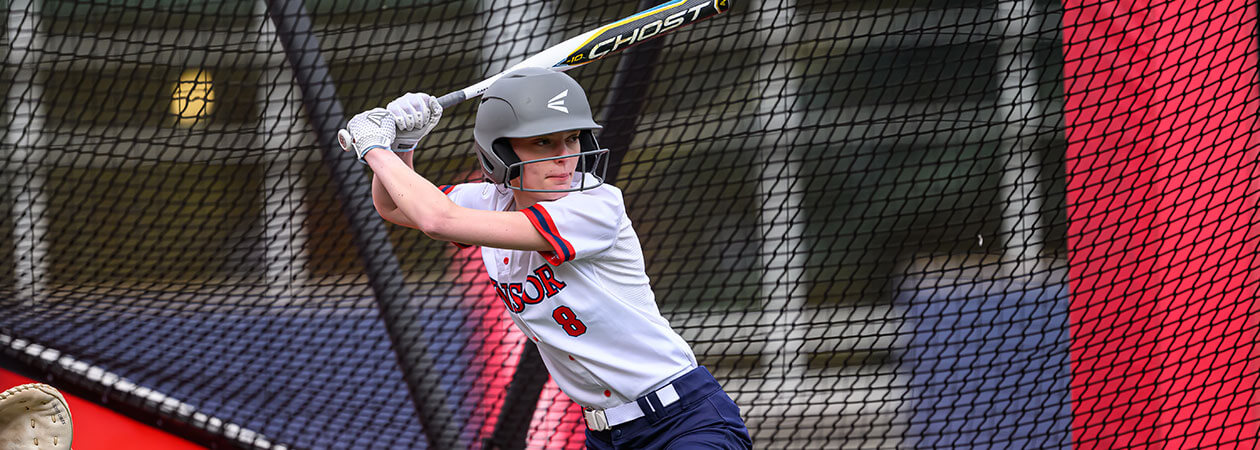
(193, 98)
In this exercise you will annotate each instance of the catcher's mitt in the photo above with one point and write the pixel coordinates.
(34, 416)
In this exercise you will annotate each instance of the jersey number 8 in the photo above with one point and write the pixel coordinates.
(569, 321)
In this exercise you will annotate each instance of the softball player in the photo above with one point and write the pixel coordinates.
(561, 254)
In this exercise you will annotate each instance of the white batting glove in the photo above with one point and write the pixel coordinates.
(367, 130)
(415, 114)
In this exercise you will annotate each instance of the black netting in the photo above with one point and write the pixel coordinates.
(918, 223)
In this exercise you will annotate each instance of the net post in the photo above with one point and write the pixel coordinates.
(520, 402)
(301, 46)
(626, 95)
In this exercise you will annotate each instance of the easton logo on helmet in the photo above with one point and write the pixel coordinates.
(557, 102)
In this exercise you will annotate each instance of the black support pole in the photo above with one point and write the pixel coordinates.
(626, 96)
(403, 324)
(520, 402)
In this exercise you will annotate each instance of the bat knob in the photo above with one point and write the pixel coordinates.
(345, 139)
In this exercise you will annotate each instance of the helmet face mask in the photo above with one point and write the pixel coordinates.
(533, 102)
(597, 161)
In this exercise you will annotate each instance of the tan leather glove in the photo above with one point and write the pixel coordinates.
(34, 417)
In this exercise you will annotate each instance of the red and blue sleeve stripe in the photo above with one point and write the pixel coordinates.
(562, 249)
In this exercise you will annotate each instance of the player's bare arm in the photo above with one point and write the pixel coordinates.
(384, 204)
(405, 197)
(432, 212)
(415, 115)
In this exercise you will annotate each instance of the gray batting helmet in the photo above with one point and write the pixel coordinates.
(531, 102)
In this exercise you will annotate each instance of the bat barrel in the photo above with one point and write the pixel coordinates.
(607, 40)
(642, 26)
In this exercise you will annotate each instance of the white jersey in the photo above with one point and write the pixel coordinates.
(587, 303)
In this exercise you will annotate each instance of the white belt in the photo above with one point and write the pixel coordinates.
(604, 419)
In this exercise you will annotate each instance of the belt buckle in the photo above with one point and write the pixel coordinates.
(596, 419)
